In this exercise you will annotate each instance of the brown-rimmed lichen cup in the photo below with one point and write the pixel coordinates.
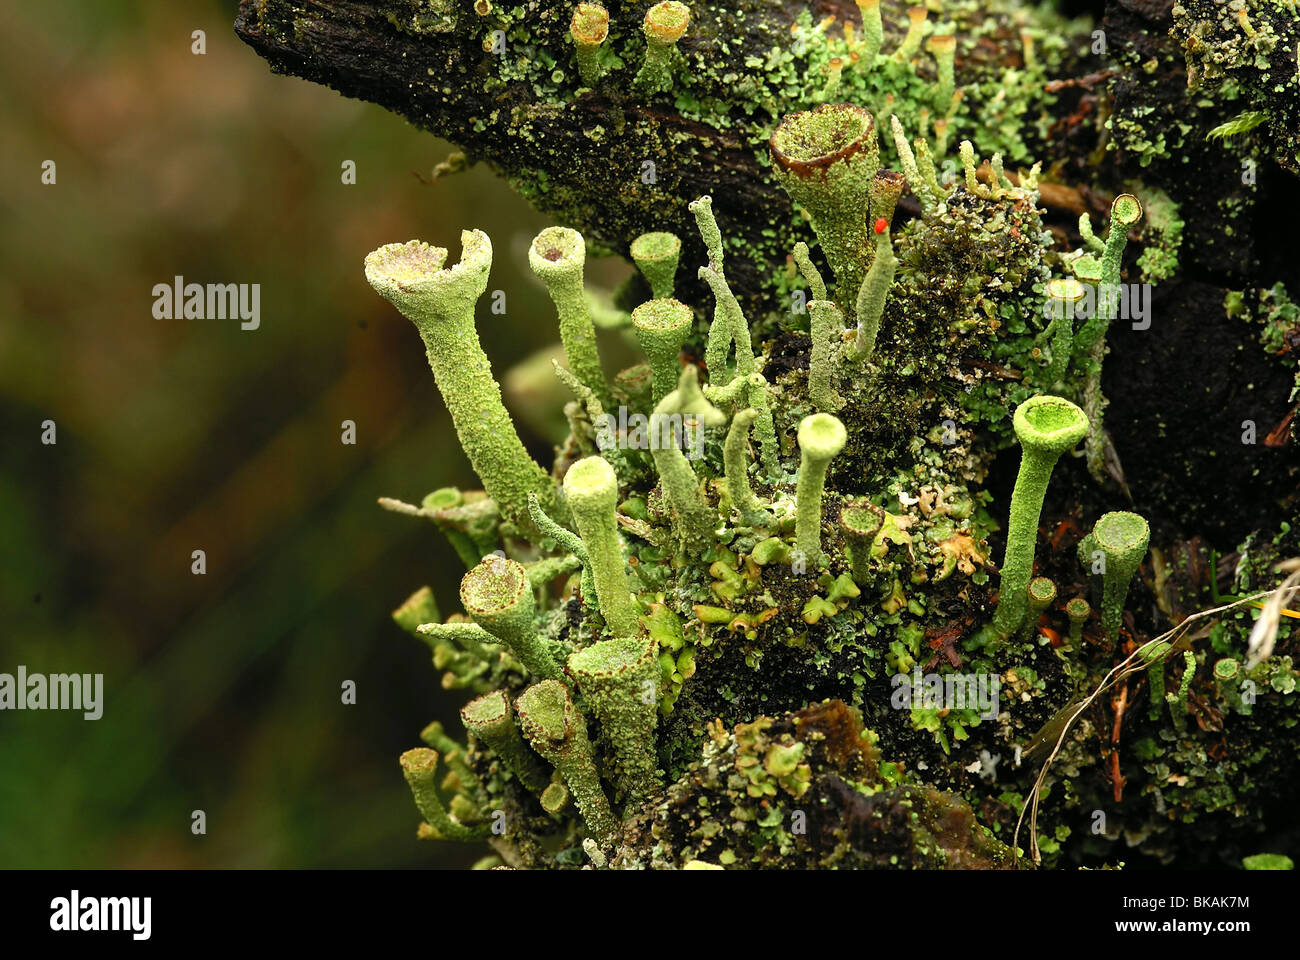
(826, 160)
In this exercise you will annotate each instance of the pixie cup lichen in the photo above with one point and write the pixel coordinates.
(1078, 610)
(665, 24)
(1121, 539)
(1046, 427)
(591, 489)
(552, 724)
(558, 256)
(886, 187)
(448, 498)
(589, 28)
(499, 597)
(821, 438)
(619, 681)
(440, 302)
(661, 327)
(489, 719)
(420, 607)
(1062, 293)
(1039, 595)
(656, 255)
(826, 159)
(420, 767)
(860, 521)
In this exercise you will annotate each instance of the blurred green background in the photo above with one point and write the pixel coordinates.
(222, 691)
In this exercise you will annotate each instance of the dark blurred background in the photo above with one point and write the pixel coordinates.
(222, 691)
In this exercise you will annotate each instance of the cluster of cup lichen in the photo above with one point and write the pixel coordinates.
(800, 519)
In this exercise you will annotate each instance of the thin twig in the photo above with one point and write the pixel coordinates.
(1121, 671)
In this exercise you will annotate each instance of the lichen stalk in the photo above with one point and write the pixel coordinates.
(440, 302)
(664, 24)
(827, 325)
(736, 468)
(821, 437)
(695, 518)
(619, 681)
(552, 724)
(925, 163)
(1125, 211)
(751, 391)
(1154, 656)
(489, 719)
(811, 275)
(499, 598)
(1046, 426)
(566, 540)
(729, 325)
(873, 293)
(1178, 701)
(558, 256)
(591, 489)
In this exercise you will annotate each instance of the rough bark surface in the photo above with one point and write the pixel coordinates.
(582, 153)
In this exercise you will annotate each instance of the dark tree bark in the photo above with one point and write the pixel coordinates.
(583, 154)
